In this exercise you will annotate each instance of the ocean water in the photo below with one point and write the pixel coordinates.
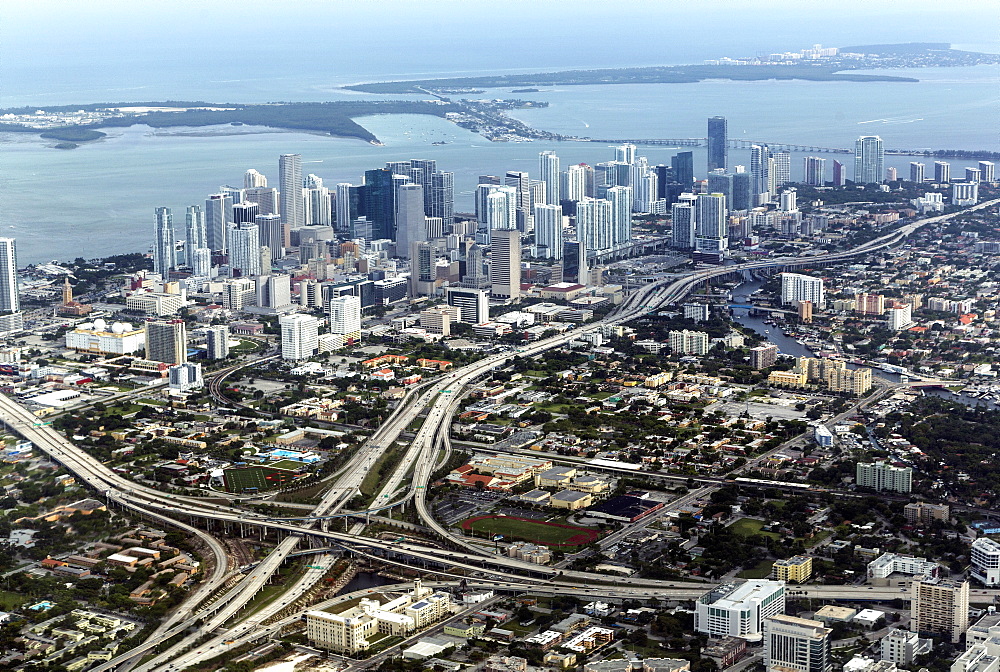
(99, 199)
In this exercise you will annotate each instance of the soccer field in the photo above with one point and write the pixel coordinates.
(525, 529)
(262, 478)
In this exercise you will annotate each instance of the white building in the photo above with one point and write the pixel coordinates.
(884, 476)
(902, 647)
(798, 287)
(185, 377)
(97, 337)
(793, 644)
(688, 342)
(985, 560)
(217, 342)
(739, 609)
(899, 318)
(154, 304)
(345, 319)
(976, 659)
(299, 336)
(964, 193)
(892, 563)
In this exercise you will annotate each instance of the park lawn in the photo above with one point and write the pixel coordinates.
(761, 571)
(749, 527)
(548, 534)
(10, 601)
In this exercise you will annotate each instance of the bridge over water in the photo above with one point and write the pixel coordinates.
(789, 147)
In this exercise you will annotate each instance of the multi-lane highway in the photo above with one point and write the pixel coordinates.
(438, 399)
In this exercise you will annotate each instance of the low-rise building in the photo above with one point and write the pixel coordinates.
(902, 647)
(797, 569)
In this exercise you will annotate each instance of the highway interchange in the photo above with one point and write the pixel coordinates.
(437, 401)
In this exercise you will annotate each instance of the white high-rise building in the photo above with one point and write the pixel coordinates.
(410, 223)
(760, 174)
(814, 169)
(917, 172)
(548, 171)
(884, 476)
(217, 342)
(781, 171)
(244, 250)
(683, 226)
(594, 223)
(201, 264)
(738, 610)
(165, 247)
(10, 299)
(299, 336)
(253, 179)
(290, 186)
(798, 287)
(345, 319)
(964, 193)
(505, 263)
(621, 199)
(218, 216)
(196, 234)
(987, 171)
(501, 208)
(316, 203)
(793, 644)
(899, 318)
(686, 342)
(625, 153)
(869, 159)
(712, 231)
(274, 291)
(344, 206)
(575, 182)
(271, 232)
(549, 230)
(985, 561)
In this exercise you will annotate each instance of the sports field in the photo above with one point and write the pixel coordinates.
(535, 531)
(261, 478)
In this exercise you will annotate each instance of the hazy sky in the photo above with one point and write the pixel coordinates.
(76, 49)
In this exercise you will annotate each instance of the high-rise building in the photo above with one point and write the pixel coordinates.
(410, 222)
(519, 180)
(218, 215)
(940, 606)
(798, 287)
(917, 172)
(253, 179)
(274, 291)
(505, 263)
(869, 304)
(721, 182)
(972, 175)
(290, 186)
(712, 232)
(738, 609)
(299, 336)
(271, 234)
(814, 170)
(244, 212)
(839, 177)
(379, 202)
(594, 221)
(890, 174)
(621, 215)
(902, 647)
(763, 356)
(201, 264)
(501, 209)
(244, 250)
(761, 163)
(165, 247)
(781, 171)
(742, 197)
(474, 304)
(578, 183)
(548, 172)
(869, 159)
(683, 226)
(718, 146)
(985, 561)
(196, 235)
(884, 476)
(423, 271)
(625, 153)
(793, 644)
(964, 193)
(10, 299)
(683, 166)
(987, 171)
(942, 172)
(686, 342)
(166, 341)
(217, 342)
(316, 203)
(345, 319)
(266, 199)
(549, 231)
(442, 198)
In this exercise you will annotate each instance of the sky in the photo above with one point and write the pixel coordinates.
(78, 51)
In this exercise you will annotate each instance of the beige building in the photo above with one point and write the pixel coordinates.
(571, 500)
(786, 378)
(940, 606)
(438, 319)
(797, 569)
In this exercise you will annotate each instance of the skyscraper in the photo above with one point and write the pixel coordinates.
(917, 172)
(217, 342)
(10, 299)
(683, 165)
(166, 341)
(290, 186)
(245, 212)
(942, 172)
(201, 263)
(682, 219)
(594, 223)
(621, 215)
(266, 199)
(869, 160)
(442, 198)
(423, 272)
(549, 231)
(379, 203)
(165, 247)
(410, 227)
(299, 336)
(548, 171)
(271, 232)
(345, 319)
(987, 170)
(781, 171)
(505, 265)
(798, 287)
(579, 182)
(741, 189)
(218, 215)
(474, 304)
(253, 179)
(838, 174)
(814, 169)
(711, 233)
(501, 209)
(316, 202)
(761, 163)
(196, 234)
(625, 153)
(718, 147)
(244, 251)
(721, 182)
(940, 606)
